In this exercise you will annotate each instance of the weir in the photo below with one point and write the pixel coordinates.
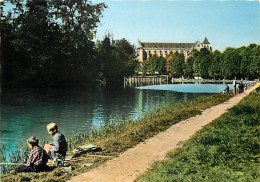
(145, 80)
(136, 81)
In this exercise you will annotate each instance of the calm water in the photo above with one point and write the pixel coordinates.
(26, 113)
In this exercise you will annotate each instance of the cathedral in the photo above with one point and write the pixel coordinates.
(147, 49)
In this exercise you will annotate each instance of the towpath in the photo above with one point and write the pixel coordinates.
(135, 161)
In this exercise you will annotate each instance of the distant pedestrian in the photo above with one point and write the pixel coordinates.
(226, 91)
(246, 85)
(37, 160)
(241, 87)
(235, 87)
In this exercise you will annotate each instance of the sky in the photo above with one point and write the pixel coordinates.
(226, 23)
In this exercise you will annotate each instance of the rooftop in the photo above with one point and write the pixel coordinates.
(166, 45)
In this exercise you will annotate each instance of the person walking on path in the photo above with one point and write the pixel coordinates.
(235, 87)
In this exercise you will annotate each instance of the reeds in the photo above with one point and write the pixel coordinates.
(17, 155)
(102, 130)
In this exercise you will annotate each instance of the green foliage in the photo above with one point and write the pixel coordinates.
(254, 66)
(49, 43)
(230, 63)
(188, 68)
(243, 62)
(115, 60)
(215, 66)
(202, 63)
(225, 150)
(175, 64)
(154, 64)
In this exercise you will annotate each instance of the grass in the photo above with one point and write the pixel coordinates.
(228, 149)
(118, 136)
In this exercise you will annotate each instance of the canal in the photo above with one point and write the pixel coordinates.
(25, 113)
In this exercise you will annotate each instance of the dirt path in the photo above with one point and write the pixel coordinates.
(135, 161)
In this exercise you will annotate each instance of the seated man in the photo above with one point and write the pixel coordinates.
(226, 91)
(38, 157)
(59, 147)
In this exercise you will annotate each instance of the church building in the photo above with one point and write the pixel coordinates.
(147, 49)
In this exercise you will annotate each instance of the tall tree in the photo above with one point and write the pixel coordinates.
(175, 64)
(116, 59)
(188, 68)
(202, 62)
(231, 63)
(215, 66)
(52, 42)
(254, 66)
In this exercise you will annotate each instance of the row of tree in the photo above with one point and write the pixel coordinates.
(50, 44)
(243, 62)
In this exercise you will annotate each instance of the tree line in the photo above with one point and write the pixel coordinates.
(243, 62)
(51, 44)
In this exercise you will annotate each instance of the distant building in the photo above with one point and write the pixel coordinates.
(147, 49)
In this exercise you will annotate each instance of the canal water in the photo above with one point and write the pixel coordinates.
(26, 113)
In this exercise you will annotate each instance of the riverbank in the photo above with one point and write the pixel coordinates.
(118, 137)
(225, 150)
(134, 162)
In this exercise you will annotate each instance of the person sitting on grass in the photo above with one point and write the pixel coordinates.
(59, 147)
(37, 160)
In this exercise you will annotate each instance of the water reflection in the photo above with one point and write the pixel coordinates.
(26, 113)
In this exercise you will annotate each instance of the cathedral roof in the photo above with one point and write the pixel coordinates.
(206, 41)
(166, 45)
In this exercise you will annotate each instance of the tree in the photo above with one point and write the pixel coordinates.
(175, 64)
(178, 65)
(215, 66)
(246, 58)
(231, 63)
(188, 67)
(50, 43)
(202, 61)
(170, 63)
(254, 66)
(116, 60)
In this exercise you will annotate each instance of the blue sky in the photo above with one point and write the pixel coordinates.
(224, 23)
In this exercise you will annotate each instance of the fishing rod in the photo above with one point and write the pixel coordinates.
(10, 164)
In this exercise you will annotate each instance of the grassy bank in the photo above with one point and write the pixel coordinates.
(118, 136)
(228, 149)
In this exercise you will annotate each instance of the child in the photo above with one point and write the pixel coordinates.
(59, 146)
(38, 157)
